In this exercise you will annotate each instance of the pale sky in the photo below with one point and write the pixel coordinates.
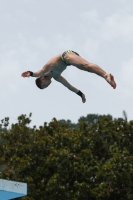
(33, 31)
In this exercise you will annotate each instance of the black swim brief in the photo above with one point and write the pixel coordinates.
(62, 57)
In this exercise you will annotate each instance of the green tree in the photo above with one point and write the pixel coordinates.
(89, 119)
(93, 118)
(68, 123)
(93, 162)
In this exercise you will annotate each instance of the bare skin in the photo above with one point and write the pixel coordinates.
(55, 66)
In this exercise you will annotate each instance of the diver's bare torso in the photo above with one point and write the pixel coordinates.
(54, 67)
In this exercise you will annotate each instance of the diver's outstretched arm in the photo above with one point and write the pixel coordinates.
(39, 73)
(62, 80)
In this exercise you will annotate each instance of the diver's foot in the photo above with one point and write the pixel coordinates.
(110, 79)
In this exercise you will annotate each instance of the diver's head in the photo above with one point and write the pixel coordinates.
(43, 82)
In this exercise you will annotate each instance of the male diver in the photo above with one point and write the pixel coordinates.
(55, 66)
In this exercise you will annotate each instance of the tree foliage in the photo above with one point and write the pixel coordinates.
(92, 162)
(89, 119)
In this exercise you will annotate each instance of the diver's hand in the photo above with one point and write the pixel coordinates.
(83, 98)
(25, 74)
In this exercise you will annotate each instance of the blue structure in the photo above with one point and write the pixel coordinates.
(12, 189)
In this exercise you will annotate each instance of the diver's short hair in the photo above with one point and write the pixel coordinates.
(38, 83)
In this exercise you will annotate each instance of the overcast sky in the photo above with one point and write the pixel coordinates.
(33, 31)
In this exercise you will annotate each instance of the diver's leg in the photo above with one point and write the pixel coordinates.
(82, 64)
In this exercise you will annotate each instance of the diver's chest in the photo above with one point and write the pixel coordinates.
(58, 70)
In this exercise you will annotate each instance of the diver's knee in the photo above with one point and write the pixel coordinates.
(85, 66)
